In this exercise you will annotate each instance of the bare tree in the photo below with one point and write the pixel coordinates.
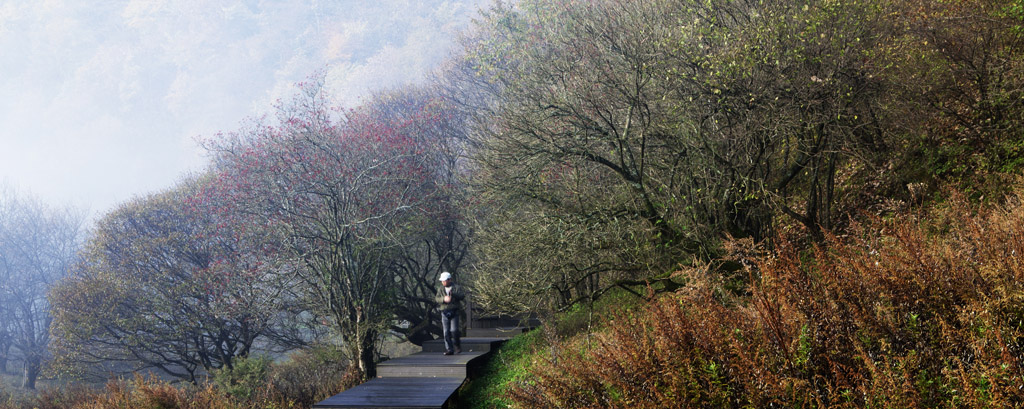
(620, 138)
(38, 244)
(161, 287)
(348, 191)
(575, 149)
(441, 243)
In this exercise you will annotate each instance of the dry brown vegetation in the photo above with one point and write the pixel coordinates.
(921, 310)
(308, 377)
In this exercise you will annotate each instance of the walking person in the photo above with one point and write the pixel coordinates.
(449, 300)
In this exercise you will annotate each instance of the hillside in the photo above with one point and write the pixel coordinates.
(711, 203)
(922, 309)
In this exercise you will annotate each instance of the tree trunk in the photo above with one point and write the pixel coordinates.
(4, 351)
(367, 351)
(32, 366)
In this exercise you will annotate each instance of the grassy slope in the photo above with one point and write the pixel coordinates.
(917, 311)
(511, 364)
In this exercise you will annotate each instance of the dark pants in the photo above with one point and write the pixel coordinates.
(450, 323)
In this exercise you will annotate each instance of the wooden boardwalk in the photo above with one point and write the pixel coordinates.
(402, 392)
(426, 379)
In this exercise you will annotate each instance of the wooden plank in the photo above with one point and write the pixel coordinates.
(469, 344)
(500, 332)
(399, 392)
(433, 359)
(428, 364)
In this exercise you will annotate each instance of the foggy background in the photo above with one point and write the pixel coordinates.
(104, 100)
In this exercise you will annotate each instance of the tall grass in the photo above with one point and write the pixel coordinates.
(919, 311)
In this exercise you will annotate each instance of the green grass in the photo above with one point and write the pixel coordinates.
(509, 364)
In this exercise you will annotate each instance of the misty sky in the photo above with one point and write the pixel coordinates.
(103, 100)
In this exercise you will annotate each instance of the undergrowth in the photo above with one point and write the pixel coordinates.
(511, 363)
(508, 365)
(919, 311)
(309, 376)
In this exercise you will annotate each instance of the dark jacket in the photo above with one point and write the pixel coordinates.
(457, 296)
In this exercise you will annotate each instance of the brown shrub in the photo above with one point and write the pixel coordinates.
(900, 313)
(312, 375)
(151, 393)
(47, 398)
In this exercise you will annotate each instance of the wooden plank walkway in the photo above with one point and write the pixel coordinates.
(428, 365)
(402, 392)
(425, 379)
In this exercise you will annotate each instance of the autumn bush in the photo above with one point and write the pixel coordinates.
(306, 377)
(312, 375)
(922, 310)
(151, 393)
(47, 397)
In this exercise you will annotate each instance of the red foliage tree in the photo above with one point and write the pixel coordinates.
(344, 191)
(164, 284)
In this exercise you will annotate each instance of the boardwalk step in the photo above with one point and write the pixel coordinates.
(415, 392)
(428, 364)
(468, 344)
(505, 332)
